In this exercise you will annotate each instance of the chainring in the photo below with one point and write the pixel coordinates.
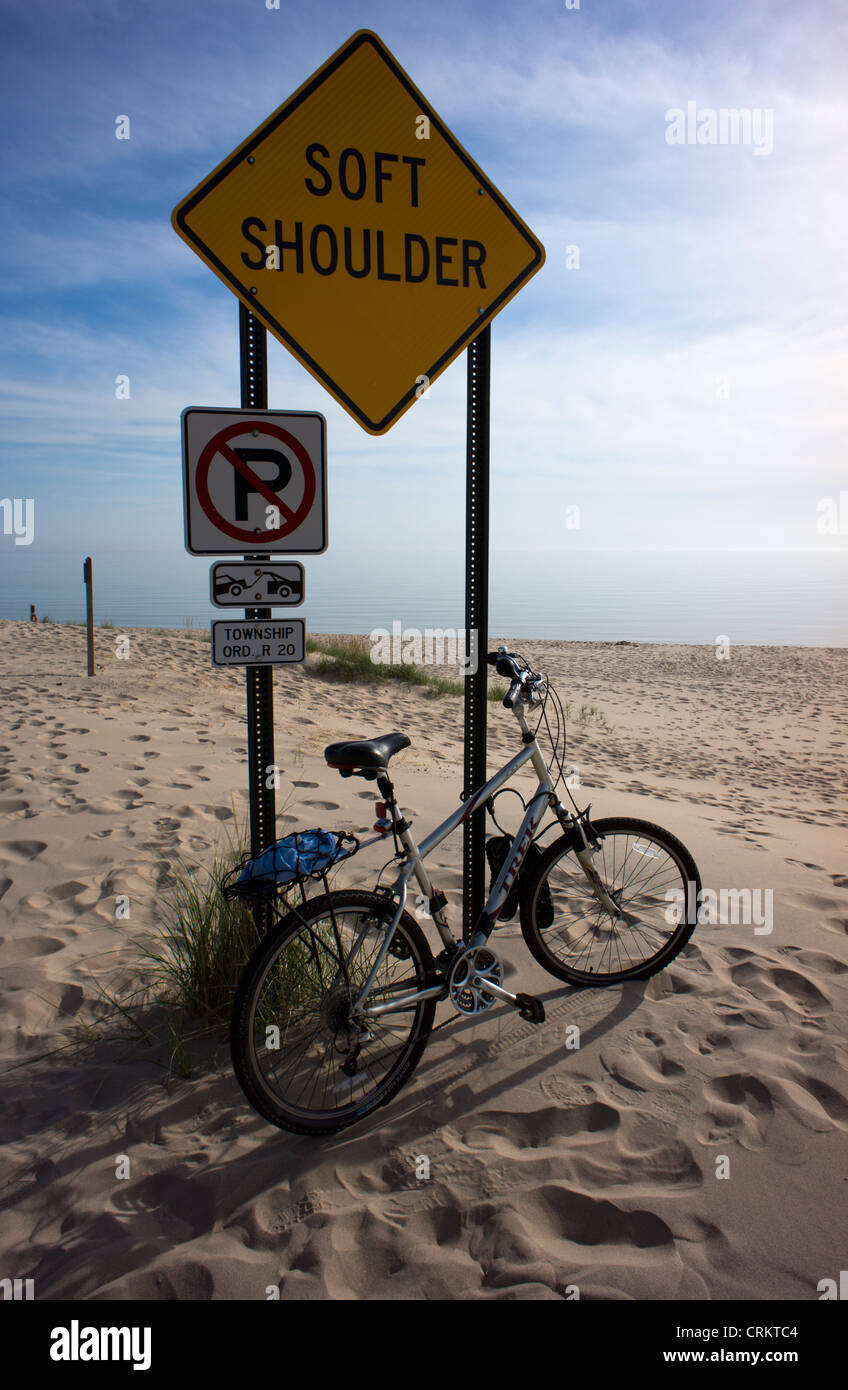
(475, 962)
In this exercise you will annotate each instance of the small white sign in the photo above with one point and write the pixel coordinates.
(256, 583)
(262, 642)
(253, 481)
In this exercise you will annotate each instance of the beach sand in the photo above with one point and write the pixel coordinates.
(551, 1169)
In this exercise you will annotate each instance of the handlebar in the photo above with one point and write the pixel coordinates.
(518, 673)
(505, 664)
(512, 694)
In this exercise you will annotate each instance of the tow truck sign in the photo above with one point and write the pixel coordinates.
(258, 642)
(254, 480)
(258, 583)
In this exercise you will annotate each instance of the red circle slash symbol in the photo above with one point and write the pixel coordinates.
(219, 444)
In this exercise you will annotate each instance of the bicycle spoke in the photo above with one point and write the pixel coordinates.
(637, 872)
(308, 992)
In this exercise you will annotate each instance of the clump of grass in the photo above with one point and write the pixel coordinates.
(46, 619)
(585, 715)
(204, 943)
(497, 692)
(349, 659)
(107, 622)
(588, 713)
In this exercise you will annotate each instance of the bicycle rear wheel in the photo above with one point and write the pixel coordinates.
(649, 875)
(300, 1058)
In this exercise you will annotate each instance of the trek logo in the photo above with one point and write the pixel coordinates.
(77, 1343)
(518, 856)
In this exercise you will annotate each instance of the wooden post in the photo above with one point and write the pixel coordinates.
(89, 611)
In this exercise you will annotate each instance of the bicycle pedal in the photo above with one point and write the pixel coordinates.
(530, 1008)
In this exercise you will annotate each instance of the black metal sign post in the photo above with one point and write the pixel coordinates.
(476, 622)
(253, 351)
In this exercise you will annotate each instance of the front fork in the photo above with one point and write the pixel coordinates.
(584, 859)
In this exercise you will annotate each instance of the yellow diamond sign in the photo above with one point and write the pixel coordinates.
(354, 225)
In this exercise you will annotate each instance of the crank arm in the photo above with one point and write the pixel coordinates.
(479, 982)
(527, 1005)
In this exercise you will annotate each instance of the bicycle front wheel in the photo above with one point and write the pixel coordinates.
(299, 1055)
(648, 875)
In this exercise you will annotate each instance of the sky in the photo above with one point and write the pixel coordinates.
(683, 386)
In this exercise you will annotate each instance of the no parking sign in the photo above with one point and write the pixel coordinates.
(254, 480)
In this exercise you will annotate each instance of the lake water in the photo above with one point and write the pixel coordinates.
(796, 598)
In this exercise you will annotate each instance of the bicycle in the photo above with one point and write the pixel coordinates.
(335, 1006)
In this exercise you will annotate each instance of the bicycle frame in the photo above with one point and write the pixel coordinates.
(415, 854)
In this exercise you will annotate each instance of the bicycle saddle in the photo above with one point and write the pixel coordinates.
(364, 757)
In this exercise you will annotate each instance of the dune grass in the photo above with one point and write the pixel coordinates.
(586, 714)
(348, 658)
(204, 942)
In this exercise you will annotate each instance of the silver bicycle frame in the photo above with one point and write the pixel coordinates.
(416, 854)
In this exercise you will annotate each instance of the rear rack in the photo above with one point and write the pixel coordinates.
(291, 861)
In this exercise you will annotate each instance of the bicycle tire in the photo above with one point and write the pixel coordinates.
(544, 939)
(247, 1062)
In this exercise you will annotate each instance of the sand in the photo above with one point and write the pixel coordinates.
(551, 1169)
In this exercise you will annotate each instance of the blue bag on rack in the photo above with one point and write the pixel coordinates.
(305, 854)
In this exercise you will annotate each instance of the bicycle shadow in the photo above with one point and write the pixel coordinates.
(440, 1080)
(202, 1164)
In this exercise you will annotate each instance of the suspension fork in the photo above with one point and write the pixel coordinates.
(584, 859)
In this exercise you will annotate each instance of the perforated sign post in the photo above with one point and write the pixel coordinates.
(354, 226)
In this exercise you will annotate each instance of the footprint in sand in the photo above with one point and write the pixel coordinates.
(71, 1000)
(17, 810)
(741, 1107)
(21, 850)
(803, 993)
(815, 960)
(818, 1096)
(23, 948)
(167, 825)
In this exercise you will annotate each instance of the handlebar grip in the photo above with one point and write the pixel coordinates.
(510, 696)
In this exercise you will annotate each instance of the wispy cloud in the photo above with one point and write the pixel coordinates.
(693, 364)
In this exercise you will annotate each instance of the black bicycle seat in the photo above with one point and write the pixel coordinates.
(366, 755)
